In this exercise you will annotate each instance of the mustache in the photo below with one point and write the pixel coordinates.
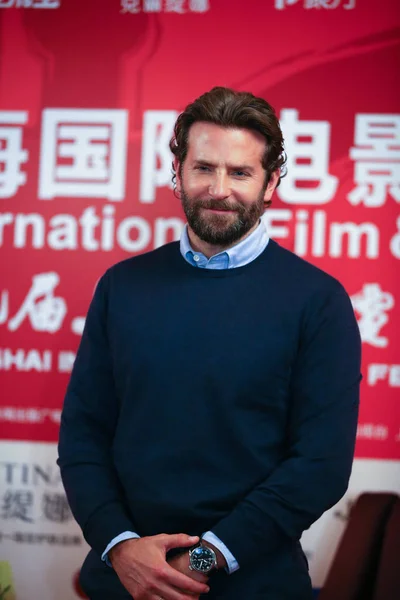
(219, 205)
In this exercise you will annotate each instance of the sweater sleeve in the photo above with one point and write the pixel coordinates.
(88, 422)
(321, 430)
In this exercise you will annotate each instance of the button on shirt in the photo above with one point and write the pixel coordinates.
(237, 256)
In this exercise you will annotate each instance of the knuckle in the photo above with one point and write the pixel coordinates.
(162, 573)
(159, 572)
(152, 588)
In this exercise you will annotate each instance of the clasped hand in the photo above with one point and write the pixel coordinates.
(143, 570)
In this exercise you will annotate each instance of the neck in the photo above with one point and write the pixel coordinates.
(210, 250)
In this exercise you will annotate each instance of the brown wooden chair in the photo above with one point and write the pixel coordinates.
(387, 585)
(354, 568)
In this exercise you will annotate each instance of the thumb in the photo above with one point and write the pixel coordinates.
(178, 540)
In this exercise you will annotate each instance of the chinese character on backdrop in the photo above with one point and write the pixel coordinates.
(55, 508)
(199, 6)
(158, 127)
(45, 311)
(83, 153)
(131, 6)
(372, 304)
(321, 4)
(329, 4)
(17, 505)
(381, 432)
(12, 155)
(376, 153)
(365, 431)
(176, 6)
(307, 145)
(152, 5)
(33, 415)
(23, 3)
(281, 4)
(47, 4)
(3, 306)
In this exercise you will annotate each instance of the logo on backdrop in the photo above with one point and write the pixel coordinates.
(30, 3)
(179, 7)
(308, 4)
(33, 505)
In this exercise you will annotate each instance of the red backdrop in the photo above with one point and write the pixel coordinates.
(89, 92)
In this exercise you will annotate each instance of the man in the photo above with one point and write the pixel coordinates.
(215, 390)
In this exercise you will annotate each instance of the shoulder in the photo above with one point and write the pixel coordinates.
(126, 278)
(145, 264)
(317, 300)
(303, 289)
(300, 275)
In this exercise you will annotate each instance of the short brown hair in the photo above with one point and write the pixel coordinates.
(228, 108)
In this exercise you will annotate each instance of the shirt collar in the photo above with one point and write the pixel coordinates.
(236, 256)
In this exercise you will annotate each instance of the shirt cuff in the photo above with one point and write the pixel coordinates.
(126, 535)
(232, 563)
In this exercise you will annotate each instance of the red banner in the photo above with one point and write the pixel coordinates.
(89, 95)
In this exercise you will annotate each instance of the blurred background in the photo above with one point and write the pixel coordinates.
(89, 92)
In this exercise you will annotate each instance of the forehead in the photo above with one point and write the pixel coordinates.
(208, 141)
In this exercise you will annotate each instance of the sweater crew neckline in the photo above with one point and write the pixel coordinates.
(222, 273)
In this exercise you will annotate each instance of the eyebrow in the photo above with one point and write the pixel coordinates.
(206, 163)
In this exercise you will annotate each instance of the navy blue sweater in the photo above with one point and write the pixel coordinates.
(211, 400)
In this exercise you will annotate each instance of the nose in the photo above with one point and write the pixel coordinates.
(219, 188)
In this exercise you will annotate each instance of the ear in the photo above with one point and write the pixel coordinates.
(177, 166)
(273, 182)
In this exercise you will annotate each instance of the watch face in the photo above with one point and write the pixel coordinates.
(202, 559)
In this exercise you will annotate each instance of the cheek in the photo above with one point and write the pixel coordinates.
(245, 193)
(195, 185)
(252, 192)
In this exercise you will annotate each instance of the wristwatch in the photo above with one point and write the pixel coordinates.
(202, 559)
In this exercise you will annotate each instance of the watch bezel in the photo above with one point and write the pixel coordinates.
(209, 550)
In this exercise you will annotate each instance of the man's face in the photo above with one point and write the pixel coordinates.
(222, 183)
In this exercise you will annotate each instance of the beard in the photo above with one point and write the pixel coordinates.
(220, 229)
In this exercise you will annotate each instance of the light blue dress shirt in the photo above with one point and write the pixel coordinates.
(237, 256)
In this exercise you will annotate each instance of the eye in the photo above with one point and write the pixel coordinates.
(240, 173)
(202, 168)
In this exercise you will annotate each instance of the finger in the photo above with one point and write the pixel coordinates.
(177, 579)
(169, 593)
(178, 540)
